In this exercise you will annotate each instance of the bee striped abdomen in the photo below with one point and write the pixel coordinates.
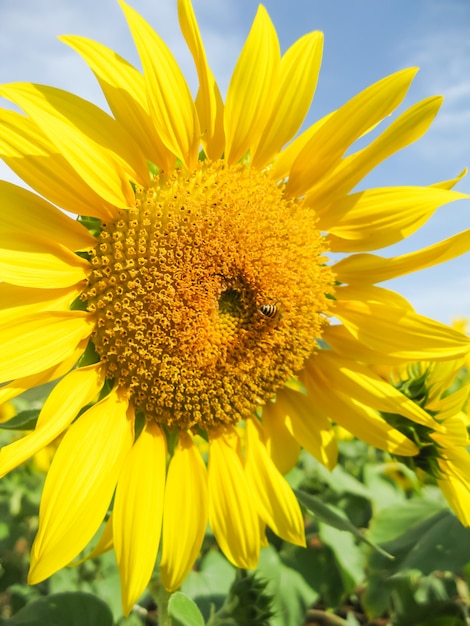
(268, 310)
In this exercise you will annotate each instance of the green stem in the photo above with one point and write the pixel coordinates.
(162, 597)
(222, 616)
(323, 618)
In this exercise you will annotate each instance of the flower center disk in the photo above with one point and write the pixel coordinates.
(208, 295)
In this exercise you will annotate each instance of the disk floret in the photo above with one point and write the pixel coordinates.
(208, 295)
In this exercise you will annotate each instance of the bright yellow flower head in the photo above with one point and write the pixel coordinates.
(194, 293)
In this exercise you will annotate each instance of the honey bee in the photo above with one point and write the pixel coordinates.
(268, 310)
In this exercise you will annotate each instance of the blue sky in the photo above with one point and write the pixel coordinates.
(364, 41)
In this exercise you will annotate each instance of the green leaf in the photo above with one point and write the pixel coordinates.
(335, 518)
(25, 420)
(318, 567)
(291, 593)
(347, 553)
(385, 491)
(64, 609)
(183, 611)
(209, 585)
(438, 543)
(92, 224)
(393, 521)
(99, 577)
(340, 481)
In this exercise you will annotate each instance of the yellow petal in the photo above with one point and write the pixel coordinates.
(455, 485)
(282, 447)
(369, 268)
(96, 163)
(375, 218)
(33, 261)
(169, 98)
(138, 511)
(27, 151)
(80, 484)
(453, 418)
(86, 120)
(64, 402)
(232, 514)
(353, 402)
(34, 343)
(327, 146)
(364, 386)
(373, 316)
(280, 168)
(25, 212)
(299, 70)
(440, 375)
(124, 88)
(311, 428)
(19, 301)
(105, 543)
(455, 433)
(20, 385)
(408, 127)
(209, 104)
(252, 88)
(344, 344)
(186, 513)
(450, 184)
(275, 501)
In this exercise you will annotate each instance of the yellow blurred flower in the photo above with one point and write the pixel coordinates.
(192, 294)
(462, 325)
(7, 411)
(441, 390)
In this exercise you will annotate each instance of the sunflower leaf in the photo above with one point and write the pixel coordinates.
(25, 420)
(73, 609)
(332, 518)
(184, 611)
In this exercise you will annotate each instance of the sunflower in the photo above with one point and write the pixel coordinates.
(192, 300)
(442, 389)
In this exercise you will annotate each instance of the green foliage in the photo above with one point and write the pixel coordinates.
(24, 420)
(183, 611)
(71, 609)
(381, 549)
